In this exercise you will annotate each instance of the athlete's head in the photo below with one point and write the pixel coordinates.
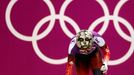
(84, 39)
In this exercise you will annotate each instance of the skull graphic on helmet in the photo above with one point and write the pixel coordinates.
(84, 39)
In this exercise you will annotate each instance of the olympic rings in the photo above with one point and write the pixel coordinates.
(62, 17)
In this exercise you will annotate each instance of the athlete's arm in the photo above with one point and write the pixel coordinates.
(105, 50)
(104, 47)
(71, 58)
(69, 66)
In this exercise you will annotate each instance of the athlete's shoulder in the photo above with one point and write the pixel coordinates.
(98, 39)
(72, 44)
(73, 40)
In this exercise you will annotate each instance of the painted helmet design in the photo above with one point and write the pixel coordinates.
(84, 39)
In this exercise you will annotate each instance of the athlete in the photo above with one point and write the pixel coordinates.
(88, 51)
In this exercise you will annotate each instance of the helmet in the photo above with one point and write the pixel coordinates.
(84, 39)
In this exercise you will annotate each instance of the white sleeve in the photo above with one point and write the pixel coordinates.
(71, 45)
(99, 40)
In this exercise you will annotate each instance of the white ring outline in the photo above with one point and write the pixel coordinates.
(34, 41)
(106, 21)
(37, 50)
(62, 23)
(115, 19)
(16, 33)
(118, 28)
(130, 51)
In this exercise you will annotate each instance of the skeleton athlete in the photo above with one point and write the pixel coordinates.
(88, 51)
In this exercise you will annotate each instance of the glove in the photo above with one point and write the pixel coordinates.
(104, 67)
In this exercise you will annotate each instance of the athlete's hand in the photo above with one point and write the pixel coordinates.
(104, 68)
